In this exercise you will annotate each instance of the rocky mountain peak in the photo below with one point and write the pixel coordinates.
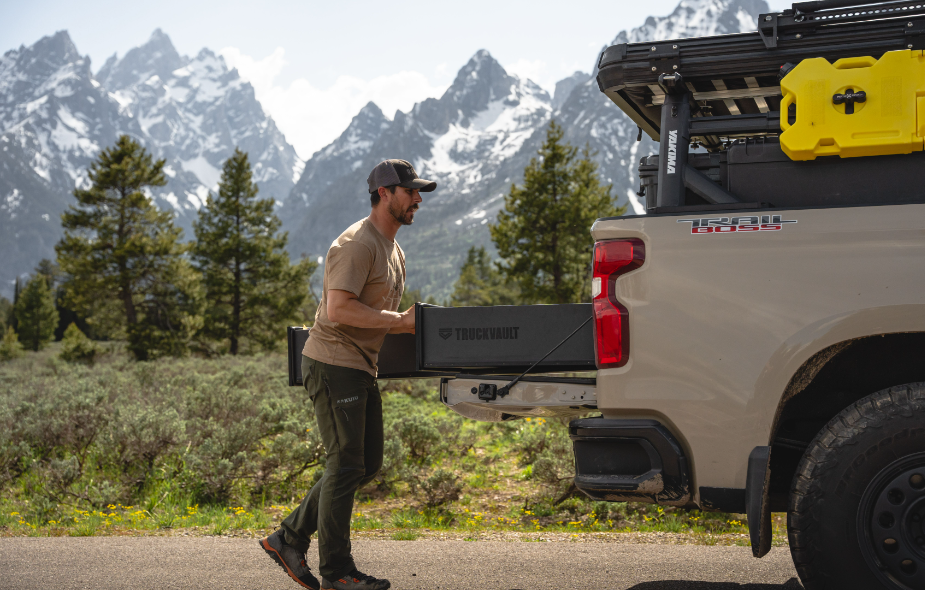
(478, 83)
(698, 18)
(157, 57)
(565, 86)
(22, 68)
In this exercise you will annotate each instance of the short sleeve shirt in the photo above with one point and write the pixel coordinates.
(372, 267)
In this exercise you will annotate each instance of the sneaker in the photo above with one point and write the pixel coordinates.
(290, 559)
(355, 580)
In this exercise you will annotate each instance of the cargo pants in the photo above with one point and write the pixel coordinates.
(348, 411)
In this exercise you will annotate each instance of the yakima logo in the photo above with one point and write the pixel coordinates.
(725, 225)
(672, 150)
(502, 333)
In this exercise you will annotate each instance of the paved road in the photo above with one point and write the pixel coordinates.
(157, 563)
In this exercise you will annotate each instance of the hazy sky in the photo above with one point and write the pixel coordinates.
(315, 64)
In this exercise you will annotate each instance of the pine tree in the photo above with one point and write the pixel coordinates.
(10, 316)
(36, 315)
(251, 288)
(481, 283)
(543, 232)
(6, 308)
(10, 348)
(123, 259)
(50, 271)
(76, 347)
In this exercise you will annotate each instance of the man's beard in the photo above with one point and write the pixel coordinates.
(403, 216)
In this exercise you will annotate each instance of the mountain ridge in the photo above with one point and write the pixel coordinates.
(474, 140)
(56, 116)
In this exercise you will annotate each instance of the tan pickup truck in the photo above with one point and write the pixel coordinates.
(759, 334)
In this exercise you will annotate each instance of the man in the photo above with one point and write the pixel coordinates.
(364, 276)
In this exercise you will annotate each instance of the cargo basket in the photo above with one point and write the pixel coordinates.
(710, 92)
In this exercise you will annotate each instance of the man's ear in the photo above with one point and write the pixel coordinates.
(383, 192)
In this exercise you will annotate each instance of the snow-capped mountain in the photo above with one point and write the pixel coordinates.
(194, 112)
(468, 140)
(342, 157)
(54, 119)
(56, 116)
(476, 140)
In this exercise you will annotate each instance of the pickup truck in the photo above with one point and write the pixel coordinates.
(758, 335)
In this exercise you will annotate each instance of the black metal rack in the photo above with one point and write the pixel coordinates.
(712, 90)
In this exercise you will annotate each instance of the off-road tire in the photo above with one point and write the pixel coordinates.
(853, 463)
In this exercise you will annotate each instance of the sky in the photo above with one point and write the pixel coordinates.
(314, 64)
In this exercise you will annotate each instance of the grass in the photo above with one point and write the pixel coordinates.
(508, 474)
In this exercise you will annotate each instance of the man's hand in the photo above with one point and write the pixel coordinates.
(344, 308)
(406, 325)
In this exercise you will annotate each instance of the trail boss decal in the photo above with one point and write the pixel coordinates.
(726, 225)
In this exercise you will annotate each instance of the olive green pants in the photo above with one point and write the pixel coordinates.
(348, 410)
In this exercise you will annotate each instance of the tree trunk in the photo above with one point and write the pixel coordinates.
(236, 302)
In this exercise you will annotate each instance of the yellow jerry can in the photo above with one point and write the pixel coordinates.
(858, 106)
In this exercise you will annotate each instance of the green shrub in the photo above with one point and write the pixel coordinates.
(544, 445)
(10, 348)
(187, 430)
(441, 487)
(77, 348)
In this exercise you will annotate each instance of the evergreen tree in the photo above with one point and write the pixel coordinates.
(10, 348)
(6, 308)
(123, 259)
(50, 271)
(10, 315)
(251, 287)
(543, 232)
(36, 315)
(76, 347)
(481, 283)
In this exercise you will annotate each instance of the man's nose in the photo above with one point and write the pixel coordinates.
(417, 197)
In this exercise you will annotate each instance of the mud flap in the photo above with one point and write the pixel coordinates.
(757, 507)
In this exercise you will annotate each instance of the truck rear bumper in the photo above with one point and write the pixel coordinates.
(531, 396)
(629, 461)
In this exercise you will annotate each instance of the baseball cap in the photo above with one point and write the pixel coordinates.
(397, 172)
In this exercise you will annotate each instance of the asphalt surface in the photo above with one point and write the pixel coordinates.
(156, 563)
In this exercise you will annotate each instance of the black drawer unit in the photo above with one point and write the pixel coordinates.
(759, 173)
(479, 340)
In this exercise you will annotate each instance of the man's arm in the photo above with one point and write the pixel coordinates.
(345, 308)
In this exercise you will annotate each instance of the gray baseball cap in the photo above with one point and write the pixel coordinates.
(397, 172)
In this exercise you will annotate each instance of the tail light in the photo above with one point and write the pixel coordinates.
(612, 258)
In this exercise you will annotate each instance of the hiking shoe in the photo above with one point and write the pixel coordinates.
(290, 559)
(355, 580)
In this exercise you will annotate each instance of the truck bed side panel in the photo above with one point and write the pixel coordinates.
(721, 321)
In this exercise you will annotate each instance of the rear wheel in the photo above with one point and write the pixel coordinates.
(857, 505)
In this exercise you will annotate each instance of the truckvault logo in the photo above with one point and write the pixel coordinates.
(501, 333)
(725, 225)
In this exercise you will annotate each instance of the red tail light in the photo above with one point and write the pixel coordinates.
(612, 258)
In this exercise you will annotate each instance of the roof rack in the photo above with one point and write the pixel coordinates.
(711, 90)
(731, 75)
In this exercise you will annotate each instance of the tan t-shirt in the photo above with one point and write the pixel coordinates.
(372, 267)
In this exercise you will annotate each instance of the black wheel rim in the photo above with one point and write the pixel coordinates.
(891, 523)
